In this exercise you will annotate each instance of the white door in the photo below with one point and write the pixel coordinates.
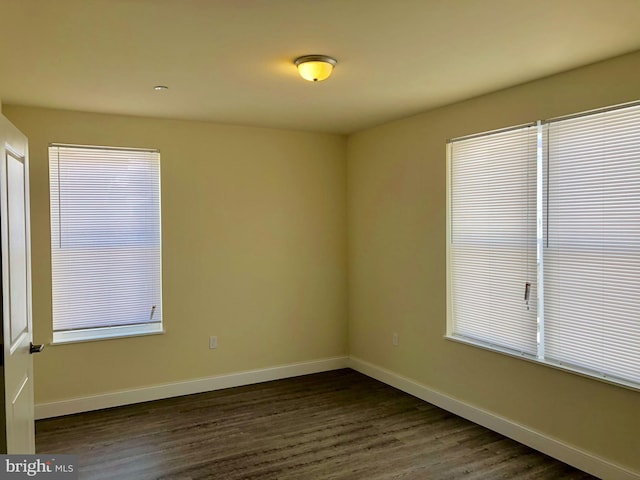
(16, 291)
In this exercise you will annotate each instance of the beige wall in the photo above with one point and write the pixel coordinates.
(254, 251)
(397, 266)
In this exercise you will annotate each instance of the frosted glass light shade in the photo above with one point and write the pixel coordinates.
(315, 68)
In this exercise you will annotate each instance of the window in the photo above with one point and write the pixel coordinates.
(544, 242)
(105, 242)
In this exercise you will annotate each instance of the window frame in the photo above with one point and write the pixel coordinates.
(541, 159)
(107, 332)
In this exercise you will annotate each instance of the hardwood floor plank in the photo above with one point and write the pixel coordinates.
(338, 425)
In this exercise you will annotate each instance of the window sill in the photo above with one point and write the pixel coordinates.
(106, 333)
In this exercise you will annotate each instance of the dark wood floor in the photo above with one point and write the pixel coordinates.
(333, 425)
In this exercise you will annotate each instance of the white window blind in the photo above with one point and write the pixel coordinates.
(105, 242)
(575, 195)
(492, 248)
(592, 244)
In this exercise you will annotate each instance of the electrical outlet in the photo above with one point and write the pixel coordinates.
(213, 342)
(395, 339)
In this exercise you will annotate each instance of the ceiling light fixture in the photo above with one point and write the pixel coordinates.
(315, 68)
(160, 87)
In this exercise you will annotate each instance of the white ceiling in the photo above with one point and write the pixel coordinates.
(230, 61)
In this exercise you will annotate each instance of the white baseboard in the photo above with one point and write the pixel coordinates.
(566, 453)
(157, 392)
